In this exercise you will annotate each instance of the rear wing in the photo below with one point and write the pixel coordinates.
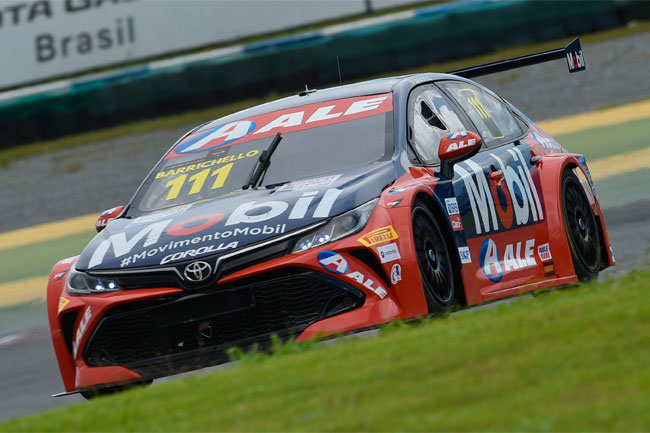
(572, 53)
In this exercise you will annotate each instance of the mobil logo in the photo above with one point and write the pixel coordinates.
(308, 206)
(333, 262)
(508, 201)
(216, 137)
(490, 262)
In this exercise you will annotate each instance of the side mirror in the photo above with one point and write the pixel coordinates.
(456, 147)
(107, 216)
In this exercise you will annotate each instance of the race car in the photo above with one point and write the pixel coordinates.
(324, 213)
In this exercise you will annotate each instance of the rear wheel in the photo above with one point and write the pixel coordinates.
(434, 260)
(581, 228)
(89, 395)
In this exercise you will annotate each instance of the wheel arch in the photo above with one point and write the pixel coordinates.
(551, 168)
(437, 209)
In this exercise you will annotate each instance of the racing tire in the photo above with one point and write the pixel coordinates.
(89, 395)
(581, 229)
(434, 260)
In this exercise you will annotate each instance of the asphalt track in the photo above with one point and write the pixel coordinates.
(68, 183)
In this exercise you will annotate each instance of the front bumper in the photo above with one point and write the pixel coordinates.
(189, 330)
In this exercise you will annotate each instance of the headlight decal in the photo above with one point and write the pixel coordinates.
(339, 227)
(80, 283)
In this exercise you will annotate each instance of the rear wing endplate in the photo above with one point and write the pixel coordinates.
(572, 53)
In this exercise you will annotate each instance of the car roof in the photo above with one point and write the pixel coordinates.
(369, 87)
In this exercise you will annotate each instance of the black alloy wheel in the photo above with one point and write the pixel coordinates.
(581, 229)
(434, 261)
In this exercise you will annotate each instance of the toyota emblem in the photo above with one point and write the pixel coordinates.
(197, 271)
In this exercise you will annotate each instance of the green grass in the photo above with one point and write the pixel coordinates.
(19, 318)
(567, 360)
(196, 117)
(41, 256)
(596, 143)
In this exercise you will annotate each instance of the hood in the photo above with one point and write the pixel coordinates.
(222, 225)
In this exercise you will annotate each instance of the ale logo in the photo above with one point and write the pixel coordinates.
(333, 262)
(490, 262)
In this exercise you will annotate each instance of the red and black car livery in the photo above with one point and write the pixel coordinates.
(320, 214)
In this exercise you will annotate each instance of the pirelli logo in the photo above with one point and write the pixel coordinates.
(62, 303)
(378, 236)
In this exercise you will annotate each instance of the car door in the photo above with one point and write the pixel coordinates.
(499, 197)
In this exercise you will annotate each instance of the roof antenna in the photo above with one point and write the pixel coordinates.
(307, 91)
(338, 65)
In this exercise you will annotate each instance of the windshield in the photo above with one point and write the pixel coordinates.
(317, 139)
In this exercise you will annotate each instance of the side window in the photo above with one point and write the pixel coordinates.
(496, 124)
(431, 115)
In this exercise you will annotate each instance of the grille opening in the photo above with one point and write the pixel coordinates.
(190, 327)
(67, 326)
(369, 259)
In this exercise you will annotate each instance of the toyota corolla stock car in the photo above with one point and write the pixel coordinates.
(323, 213)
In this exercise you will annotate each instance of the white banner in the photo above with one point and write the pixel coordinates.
(41, 39)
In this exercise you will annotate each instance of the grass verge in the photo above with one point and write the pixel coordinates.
(187, 119)
(566, 360)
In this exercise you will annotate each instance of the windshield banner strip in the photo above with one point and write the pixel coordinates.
(284, 121)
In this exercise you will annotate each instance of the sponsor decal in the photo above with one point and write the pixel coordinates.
(549, 270)
(465, 256)
(189, 253)
(516, 256)
(251, 212)
(301, 185)
(335, 263)
(378, 236)
(60, 275)
(208, 237)
(194, 225)
(388, 253)
(574, 57)
(398, 190)
(459, 144)
(394, 203)
(109, 211)
(248, 213)
(62, 303)
(456, 223)
(156, 216)
(454, 214)
(284, 121)
(544, 252)
(452, 206)
(83, 324)
(201, 165)
(396, 273)
(547, 143)
(368, 283)
(517, 204)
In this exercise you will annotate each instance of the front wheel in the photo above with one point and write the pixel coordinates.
(582, 232)
(434, 260)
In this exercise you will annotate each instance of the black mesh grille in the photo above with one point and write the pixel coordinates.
(250, 310)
